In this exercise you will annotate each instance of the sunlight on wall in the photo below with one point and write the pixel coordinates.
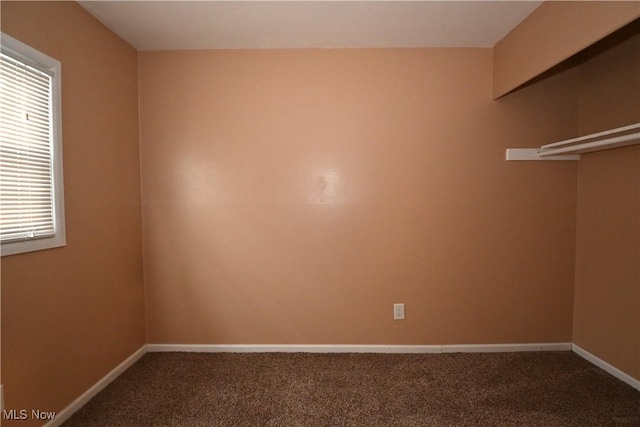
(327, 188)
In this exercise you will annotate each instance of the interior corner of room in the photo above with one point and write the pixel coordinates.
(288, 197)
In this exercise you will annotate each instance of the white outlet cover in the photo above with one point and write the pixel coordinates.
(398, 311)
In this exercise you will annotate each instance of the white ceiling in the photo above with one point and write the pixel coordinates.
(167, 25)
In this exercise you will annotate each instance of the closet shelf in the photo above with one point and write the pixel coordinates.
(571, 149)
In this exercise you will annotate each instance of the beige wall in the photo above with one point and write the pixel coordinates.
(248, 238)
(70, 315)
(552, 33)
(607, 293)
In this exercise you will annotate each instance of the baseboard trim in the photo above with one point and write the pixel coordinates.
(606, 366)
(72, 408)
(304, 348)
(67, 412)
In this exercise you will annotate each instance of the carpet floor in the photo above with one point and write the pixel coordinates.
(301, 389)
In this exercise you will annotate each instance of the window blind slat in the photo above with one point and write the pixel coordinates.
(11, 144)
(16, 113)
(25, 95)
(23, 172)
(36, 97)
(17, 64)
(10, 161)
(19, 115)
(26, 189)
(15, 80)
(16, 77)
(19, 166)
(14, 67)
(16, 90)
(23, 158)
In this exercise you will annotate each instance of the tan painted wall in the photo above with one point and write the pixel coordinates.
(71, 315)
(552, 33)
(607, 293)
(250, 238)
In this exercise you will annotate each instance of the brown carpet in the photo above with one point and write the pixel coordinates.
(296, 389)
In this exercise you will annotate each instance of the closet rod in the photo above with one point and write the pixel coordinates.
(570, 149)
(601, 144)
(593, 135)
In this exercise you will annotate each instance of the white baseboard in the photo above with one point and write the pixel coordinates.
(67, 412)
(328, 348)
(606, 367)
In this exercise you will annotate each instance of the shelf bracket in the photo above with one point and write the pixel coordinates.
(532, 154)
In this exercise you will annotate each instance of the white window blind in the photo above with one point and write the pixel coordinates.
(28, 192)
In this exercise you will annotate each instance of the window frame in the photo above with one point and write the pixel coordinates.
(33, 57)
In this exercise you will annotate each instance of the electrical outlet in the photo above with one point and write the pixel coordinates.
(398, 311)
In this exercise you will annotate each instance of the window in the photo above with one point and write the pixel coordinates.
(31, 190)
